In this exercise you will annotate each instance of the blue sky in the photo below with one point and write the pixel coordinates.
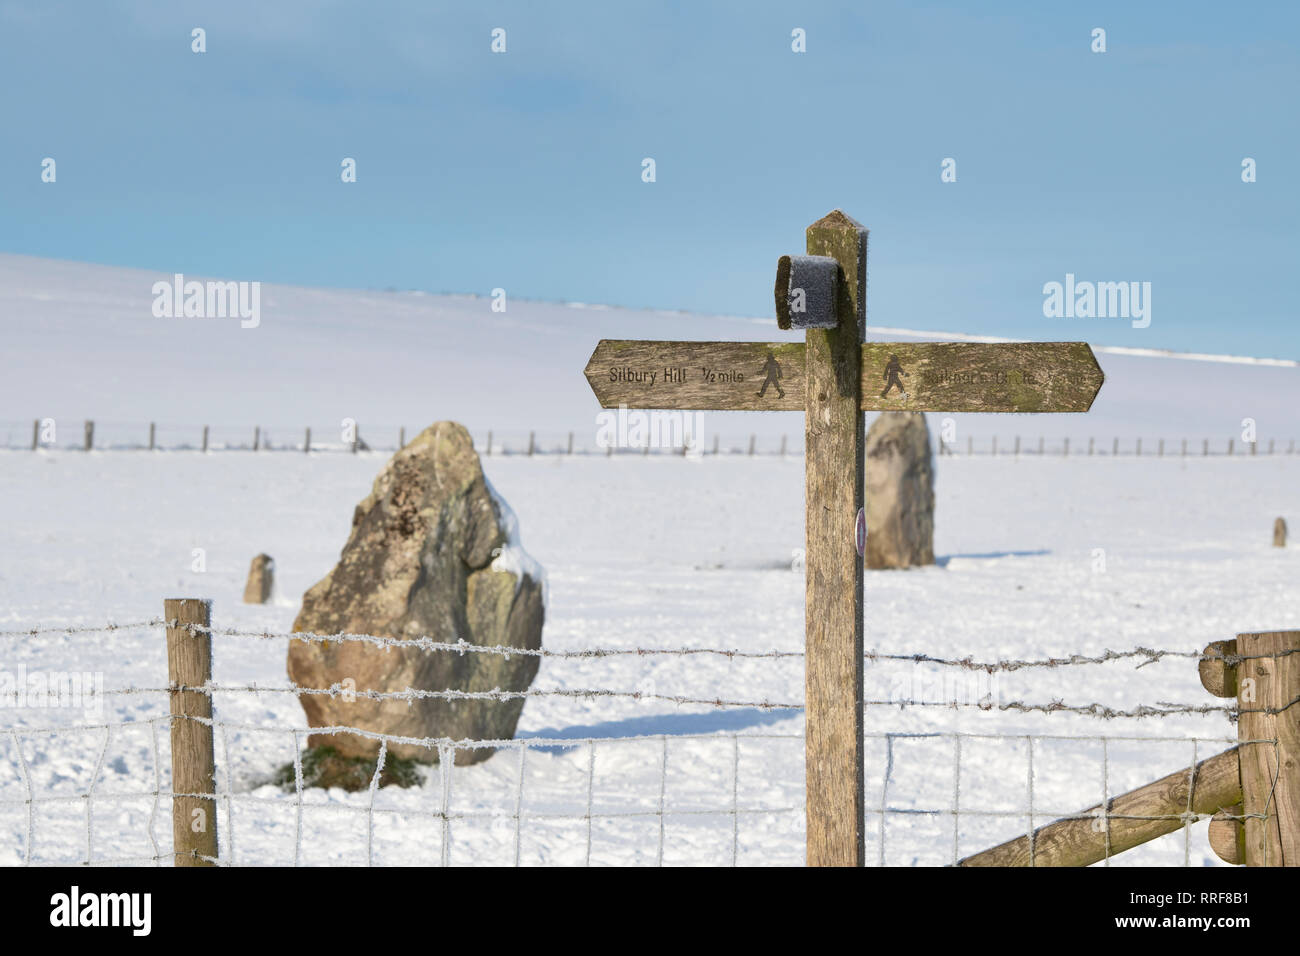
(523, 170)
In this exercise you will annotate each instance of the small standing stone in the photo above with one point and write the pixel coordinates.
(261, 575)
(900, 492)
(1279, 533)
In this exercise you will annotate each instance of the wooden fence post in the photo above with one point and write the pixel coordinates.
(306, 442)
(1017, 451)
(715, 444)
(36, 433)
(1114, 448)
(401, 438)
(834, 465)
(783, 446)
(1090, 442)
(90, 435)
(1254, 446)
(1041, 443)
(995, 446)
(1268, 689)
(489, 444)
(1139, 448)
(1229, 446)
(570, 451)
(752, 440)
(189, 664)
(257, 438)
(532, 442)
(1205, 447)
(151, 435)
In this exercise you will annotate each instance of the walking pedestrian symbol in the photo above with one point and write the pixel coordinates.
(772, 368)
(892, 371)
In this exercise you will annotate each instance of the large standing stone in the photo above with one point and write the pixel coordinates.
(900, 492)
(434, 553)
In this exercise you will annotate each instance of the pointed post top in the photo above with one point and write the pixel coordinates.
(837, 218)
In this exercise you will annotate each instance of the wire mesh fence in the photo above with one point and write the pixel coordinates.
(653, 796)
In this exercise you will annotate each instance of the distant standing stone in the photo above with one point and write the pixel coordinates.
(899, 491)
(261, 575)
(1279, 533)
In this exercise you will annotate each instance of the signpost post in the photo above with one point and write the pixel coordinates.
(833, 376)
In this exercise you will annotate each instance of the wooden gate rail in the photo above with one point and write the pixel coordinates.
(1129, 820)
(1252, 790)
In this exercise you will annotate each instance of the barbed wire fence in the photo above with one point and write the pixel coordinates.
(671, 439)
(1199, 798)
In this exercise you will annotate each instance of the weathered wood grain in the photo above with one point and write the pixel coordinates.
(979, 377)
(930, 376)
(1268, 695)
(189, 664)
(1218, 674)
(1227, 835)
(835, 477)
(707, 375)
(1082, 840)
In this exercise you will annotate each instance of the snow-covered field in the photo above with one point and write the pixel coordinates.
(657, 553)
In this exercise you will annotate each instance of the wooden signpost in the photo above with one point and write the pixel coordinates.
(833, 376)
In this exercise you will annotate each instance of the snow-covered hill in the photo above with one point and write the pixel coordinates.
(81, 341)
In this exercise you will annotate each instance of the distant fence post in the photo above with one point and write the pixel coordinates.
(1229, 446)
(752, 440)
(1090, 443)
(715, 443)
(570, 443)
(783, 445)
(151, 435)
(1268, 684)
(306, 442)
(257, 438)
(36, 433)
(1205, 447)
(189, 664)
(1114, 448)
(1184, 447)
(205, 437)
(401, 438)
(489, 444)
(532, 443)
(90, 435)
